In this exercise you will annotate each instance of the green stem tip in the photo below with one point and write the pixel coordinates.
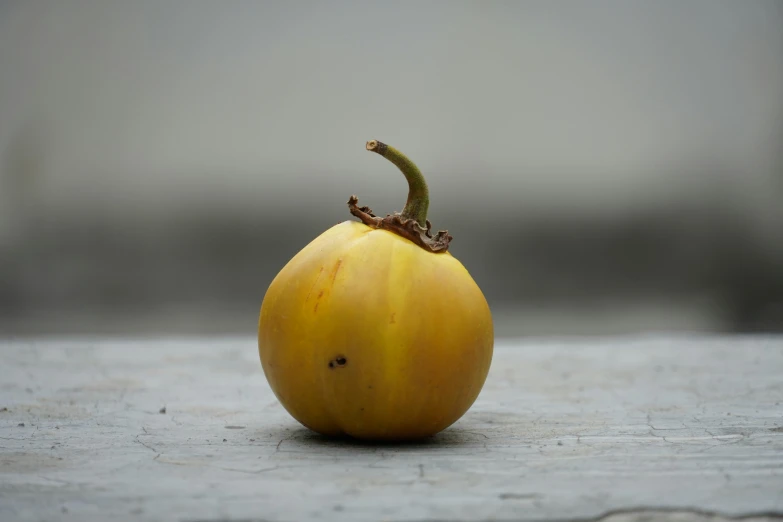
(418, 195)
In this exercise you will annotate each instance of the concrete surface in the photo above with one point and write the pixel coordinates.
(624, 429)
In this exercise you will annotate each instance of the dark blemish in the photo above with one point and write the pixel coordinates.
(369, 387)
(362, 409)
(234, 427)
(560, 443)
(338, 361)
(162, 410)
(21, 425)
(225, 440)
(391, 319)
(3, 409)
(315, 308)
(779, 429)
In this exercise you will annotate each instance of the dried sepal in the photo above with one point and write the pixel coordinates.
(408, 228)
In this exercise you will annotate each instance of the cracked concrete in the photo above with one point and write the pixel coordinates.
(626, 430)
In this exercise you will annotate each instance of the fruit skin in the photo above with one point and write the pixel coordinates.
(365, 334)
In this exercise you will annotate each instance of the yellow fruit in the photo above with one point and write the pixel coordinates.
(375, 332)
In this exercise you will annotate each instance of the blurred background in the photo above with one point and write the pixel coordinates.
(605, 167)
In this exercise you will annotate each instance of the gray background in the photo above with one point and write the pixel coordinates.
(604, 166)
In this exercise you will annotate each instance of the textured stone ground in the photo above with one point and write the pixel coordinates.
(621, 429)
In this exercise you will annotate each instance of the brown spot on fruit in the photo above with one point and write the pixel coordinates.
(317, 300)
(336, 269)
(391, 319)
(338, 362)
(320, 273)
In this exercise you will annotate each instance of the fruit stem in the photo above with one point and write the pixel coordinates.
(418, 195)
